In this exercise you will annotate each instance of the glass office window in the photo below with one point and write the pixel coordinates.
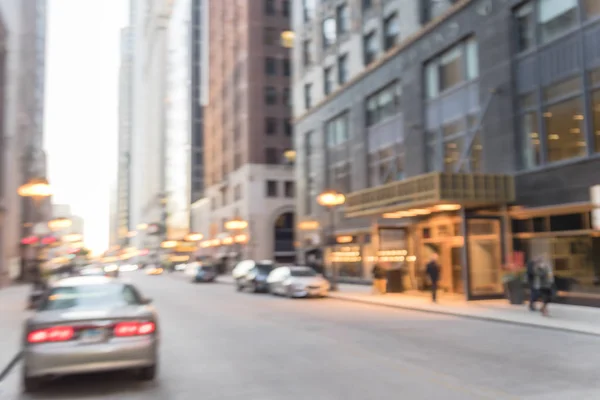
(452, 153)
(596, 120)
(432, 80)
(565, 130)
(451, 69)
(472, 57)
(525, 27)
(530, 140)
(556, 17)
(476, 161)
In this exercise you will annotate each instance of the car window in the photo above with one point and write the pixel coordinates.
(300, 272)
(264, 268)
(90, 296)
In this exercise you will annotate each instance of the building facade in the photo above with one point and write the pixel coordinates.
(149, 22)
(184, 138)
(248, 129)
(123, 202)
(25, 23)
(474, 137)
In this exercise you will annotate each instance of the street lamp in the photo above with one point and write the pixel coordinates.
(58, 224)
(193, 237)
(290, 156)
(287, 39)
(332, 199)
(236, 224)
(37, 189)
(168, 244)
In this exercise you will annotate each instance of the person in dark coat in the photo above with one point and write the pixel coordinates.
(433, 272)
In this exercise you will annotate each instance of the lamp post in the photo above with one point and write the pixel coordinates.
(37, 189)
(236, 224)
(331, 199)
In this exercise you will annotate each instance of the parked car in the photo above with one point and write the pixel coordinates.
(297, 281)
(243, 267)
(256, 278)
(89, 324)
(205, 273)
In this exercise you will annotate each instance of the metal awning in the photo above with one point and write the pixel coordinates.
(432, 189)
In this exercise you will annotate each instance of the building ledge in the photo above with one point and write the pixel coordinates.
(434, 189)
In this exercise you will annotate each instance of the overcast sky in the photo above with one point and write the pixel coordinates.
(81, 107)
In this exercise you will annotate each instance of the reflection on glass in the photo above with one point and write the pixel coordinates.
(556, 17)
(329, 32)
(596, 116)
(575, 260)
(485, 257)
(452, 153)
(476, 165)
(530, 140)
(565, 132)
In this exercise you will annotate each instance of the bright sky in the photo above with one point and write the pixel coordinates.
(81, 112)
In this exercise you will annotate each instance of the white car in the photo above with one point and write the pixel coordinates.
(297, 281)
(243, 267)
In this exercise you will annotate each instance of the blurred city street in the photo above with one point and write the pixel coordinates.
(219, 344)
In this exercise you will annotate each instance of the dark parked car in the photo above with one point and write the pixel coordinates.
(205, 273)
(256, 278)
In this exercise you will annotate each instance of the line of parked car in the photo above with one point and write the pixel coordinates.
(290, 281)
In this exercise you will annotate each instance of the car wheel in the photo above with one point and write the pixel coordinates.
(238, 287)
(148, 373)
(254, 288)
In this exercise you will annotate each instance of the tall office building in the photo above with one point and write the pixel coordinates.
(184, 139)
(149, 22)
(25, 22)
(247, 128)
(123, 201)
(473, 136)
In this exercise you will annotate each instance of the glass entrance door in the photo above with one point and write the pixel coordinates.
(485, 249)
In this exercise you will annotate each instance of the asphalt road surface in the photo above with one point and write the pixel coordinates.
(219, 344)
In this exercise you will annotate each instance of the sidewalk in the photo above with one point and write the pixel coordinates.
(568, 318)
(13, 301)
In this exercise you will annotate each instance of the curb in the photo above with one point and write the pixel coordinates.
(333, 295)
(466, 316)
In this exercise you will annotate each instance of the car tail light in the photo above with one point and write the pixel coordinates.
(54, 334)
(134, 328)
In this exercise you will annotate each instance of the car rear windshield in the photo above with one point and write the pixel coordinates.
(90, 296)
(303, 272)
(264, 268)
(207, 268)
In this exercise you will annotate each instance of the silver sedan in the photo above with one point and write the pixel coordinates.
(90, 324)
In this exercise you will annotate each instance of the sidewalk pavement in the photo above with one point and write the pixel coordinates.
(13, 303)
(562, 317)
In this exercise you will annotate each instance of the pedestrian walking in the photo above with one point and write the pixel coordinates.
(544, 282)
(379, 279)
(533, 292)
(433, 272)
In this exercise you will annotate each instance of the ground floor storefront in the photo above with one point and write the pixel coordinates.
(476, 241)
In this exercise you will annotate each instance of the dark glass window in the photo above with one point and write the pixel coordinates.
(271, 189)
(270, 66)
(270, 126)
(287, 70)
(271, 155)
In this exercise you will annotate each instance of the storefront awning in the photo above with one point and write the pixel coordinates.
(433, 189)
